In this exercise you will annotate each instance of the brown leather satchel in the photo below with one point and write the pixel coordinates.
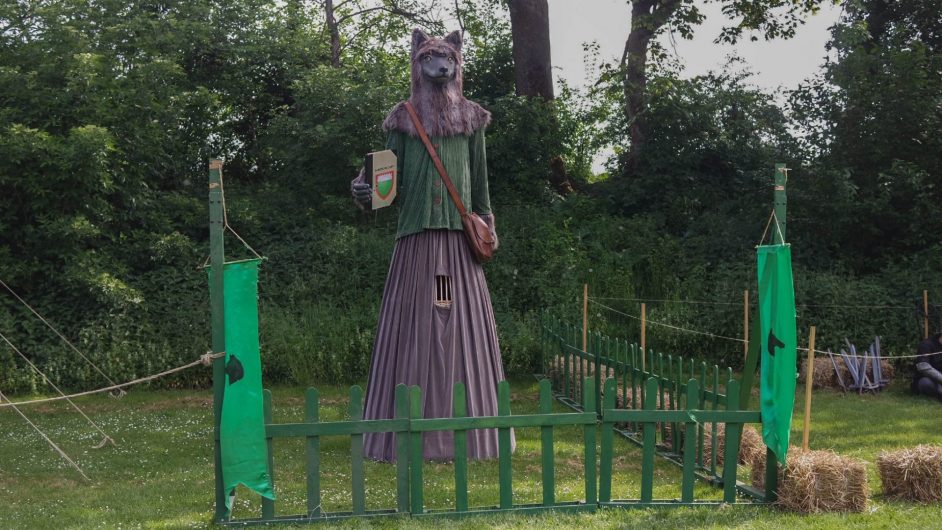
(476, 230)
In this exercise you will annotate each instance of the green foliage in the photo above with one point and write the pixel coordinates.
(873, 139)
(109, 112)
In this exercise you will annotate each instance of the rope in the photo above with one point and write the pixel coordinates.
(777, 226)
(50, 442)
(54, 330)
(225, 218)
(707, 302)
(706, 333)
(107, 439)
(828, 352)
(227, 226)
(205, 359)
(715, 336)
(710, 302)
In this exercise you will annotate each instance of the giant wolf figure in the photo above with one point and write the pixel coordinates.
(436, 324)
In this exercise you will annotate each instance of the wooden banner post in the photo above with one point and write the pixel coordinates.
(217, 259)
(809, 378)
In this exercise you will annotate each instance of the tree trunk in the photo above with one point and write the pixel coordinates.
(334, 33)
(533, 68)
(647, 17)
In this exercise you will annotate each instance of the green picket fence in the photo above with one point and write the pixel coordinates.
(568, 366)
(408, 425)
(690, 437)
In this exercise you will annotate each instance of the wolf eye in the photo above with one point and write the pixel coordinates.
(427, 58)
(451, 59)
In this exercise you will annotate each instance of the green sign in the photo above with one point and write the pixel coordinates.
(242, 430)
(778, 345)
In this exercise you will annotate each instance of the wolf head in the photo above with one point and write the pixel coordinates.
(436, 62)
(437, 90)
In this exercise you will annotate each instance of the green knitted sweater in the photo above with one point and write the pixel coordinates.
(422, 197)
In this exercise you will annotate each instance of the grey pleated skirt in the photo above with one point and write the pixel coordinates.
(436, 328)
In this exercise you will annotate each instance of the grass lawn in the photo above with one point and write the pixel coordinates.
(160, 474)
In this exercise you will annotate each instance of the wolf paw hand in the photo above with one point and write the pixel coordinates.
(361, 192)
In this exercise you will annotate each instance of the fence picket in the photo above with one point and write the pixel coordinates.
(415, 449)
(647, 453)
(731, 457)
(608, 432)
(690, 434)
(313, 450)
(505, 472)
(674, 395)
(461, 448)
(402, 450)
(625, 366)
(358, 496)
(713, 433)
(546, 441)
(268, 505)
(588, 434)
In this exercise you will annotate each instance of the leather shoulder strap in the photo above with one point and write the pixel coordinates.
(437, 161)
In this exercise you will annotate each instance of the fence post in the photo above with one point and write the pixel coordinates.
(402, 450)
(415, 448)
(268, 505)
(608, 432)
(217, 259)
(644, 344)
(690, 443)
(546, 440)
(459, 399)
(731, 456)
(809, 378)
(925, 313)
(780, 204)
(745, 326)
(588, 433)
(585, 316)
(357, 479)
(647, 452)
(598, 374)
(312, 415)
(505, 471)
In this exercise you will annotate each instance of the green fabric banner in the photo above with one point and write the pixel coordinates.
(242, 429)
(778, 343)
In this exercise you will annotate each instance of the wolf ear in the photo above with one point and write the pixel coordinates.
(418, 37)
(454, 38)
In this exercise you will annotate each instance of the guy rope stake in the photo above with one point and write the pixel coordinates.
(745, 324)
(585, 316)
(643, 342)
(925, 313)
(809, 377)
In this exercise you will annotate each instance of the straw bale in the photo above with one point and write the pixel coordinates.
(912, 474)
(818, 481)
(751, 446)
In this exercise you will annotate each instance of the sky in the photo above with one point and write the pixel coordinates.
(776, 63)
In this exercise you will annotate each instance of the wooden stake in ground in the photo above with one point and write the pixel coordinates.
(745, 324)
(809, 378)
(585, 316)
(925, 312)
(644, 350)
